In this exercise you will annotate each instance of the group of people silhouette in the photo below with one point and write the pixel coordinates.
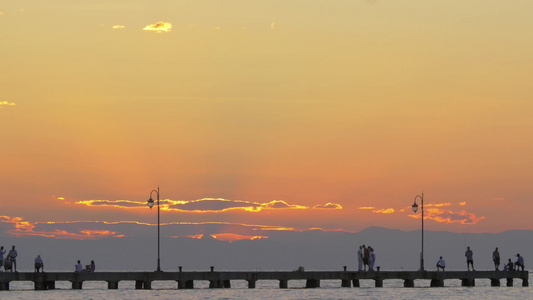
(366, 258)
(10, 262)
(469, 254)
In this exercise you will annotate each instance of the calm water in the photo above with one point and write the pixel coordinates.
(330, 289)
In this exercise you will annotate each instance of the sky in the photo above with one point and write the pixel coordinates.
(259, 116)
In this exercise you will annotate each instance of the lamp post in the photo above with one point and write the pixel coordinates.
(151, 204)
(415, 208)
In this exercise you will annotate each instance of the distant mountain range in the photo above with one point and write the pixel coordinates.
(284, 250)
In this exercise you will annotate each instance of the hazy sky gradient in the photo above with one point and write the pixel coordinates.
(354, 103)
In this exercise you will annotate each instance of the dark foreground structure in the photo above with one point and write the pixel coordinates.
(185, 280)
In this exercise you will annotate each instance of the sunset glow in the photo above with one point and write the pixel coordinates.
(159, 27)
(257, 118)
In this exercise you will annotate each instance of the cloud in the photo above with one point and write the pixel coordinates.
(282, 204)
(462, 203)
(91, 230)
(113, 203)
(25, 228)
(231, 237)
(328, 205)
(5, 103)
(437, 204)
(384, 211)
(367, 207)
(159, 27)
(206, 205)
(119, 26)
(450, 217)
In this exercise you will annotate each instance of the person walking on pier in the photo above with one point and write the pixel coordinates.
(360, 259)
(39, 264)
(12, 255)
(519, 264)
(496, 259)
(2, 252)
(469, 258)
(78, 267)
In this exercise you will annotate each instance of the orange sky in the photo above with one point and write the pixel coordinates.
(342, 112)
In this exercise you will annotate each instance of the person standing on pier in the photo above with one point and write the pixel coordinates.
(366, 257)
(2, 252)
(371, 259)
(360, 259)
(496, 259)
(39, 264)
(13, 257)
(469, 258)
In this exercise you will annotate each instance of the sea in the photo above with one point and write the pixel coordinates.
(269, 289)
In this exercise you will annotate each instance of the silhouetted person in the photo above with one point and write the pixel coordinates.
(509, 266)
(2, 252)
(91, 267)
(13, 258)
(360, 259)
(496, 258)
(519, 264)
(39, 264)
(78, 267)
(441, 264)
(366, 256)
(371, 258)
(469, 258)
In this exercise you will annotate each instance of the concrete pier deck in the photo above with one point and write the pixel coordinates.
(185, 280)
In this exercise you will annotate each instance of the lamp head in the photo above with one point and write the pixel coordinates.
(415, 207)
(150, 202)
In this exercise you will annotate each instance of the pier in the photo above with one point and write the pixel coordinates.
(185, 280)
